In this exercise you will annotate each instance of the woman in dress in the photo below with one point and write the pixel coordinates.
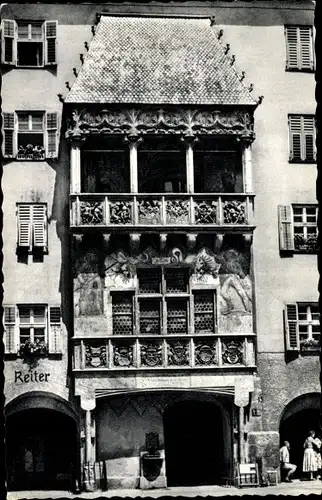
(309, 458)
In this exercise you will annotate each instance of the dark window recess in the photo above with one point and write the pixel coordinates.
(122, 313)
(30, 53)
(149, 280)
(204, 312)
(150, 316)
(176, 280)
(177, 310)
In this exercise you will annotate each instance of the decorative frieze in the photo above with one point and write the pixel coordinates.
(234, 212)
(153, 120)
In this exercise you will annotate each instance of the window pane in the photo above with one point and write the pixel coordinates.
(176, 316)
(311, 230)
(204, 312)
(122, 311)
(37, 122)
(39, 314)
(24, 334)
(298, 230)
(149, 317)
(39, 334)
(303, 328)
(149, 280)
(176, 280)
(316, 329)
(23, 122)
(24, 314)
(36, 30)
(23, 30)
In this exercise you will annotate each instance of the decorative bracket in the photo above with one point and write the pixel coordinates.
(191, 240)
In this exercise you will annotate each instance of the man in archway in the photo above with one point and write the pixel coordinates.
(287, 468)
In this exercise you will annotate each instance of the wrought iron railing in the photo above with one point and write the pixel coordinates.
(149, 352)
(161, 209)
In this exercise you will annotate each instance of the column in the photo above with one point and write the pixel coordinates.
(189, 142)
(75, 166)
(88, 467)
(242, 457)
(133, 142)
(247, 168)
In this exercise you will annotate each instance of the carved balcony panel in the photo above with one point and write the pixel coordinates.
(162, 210)
(165, 352)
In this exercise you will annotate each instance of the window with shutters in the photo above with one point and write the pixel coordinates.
(298, 228)
(302, 137)
(29, 44)
(30, 135)
(299, 48)
(302, 327)
(32, 227)
(37, 326)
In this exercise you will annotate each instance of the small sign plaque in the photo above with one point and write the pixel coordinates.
(158, 261)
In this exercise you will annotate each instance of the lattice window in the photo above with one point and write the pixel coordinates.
(204, 317)
(149, 280)
(122, 313)
(149, 310)
(176, 280)
(177, 311)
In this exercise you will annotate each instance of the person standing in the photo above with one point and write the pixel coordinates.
(317, 449)
(309, 457)
(287, 468)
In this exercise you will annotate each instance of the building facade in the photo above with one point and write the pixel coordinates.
(160, 240)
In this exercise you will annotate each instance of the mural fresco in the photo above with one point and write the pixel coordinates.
(227, 271)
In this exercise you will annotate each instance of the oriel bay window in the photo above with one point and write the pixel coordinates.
(163, 304)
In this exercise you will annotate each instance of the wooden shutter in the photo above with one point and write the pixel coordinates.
(24, 226)
(9, 42)
(292, 339)
(305, 47)
(51, 42)
(52, 135)
(54, 330)
(286, 229)
(11, 337)
(8, 145)
(292, 47)
(296, 139)
(309, 137)
(39, 226)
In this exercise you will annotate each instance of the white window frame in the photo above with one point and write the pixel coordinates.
(48, 39)
(50, 133)
(287, 223)
(305, 224)
(31, 326)
(309, 322)
(299, 48)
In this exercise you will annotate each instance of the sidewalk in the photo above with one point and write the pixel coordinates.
(293, 489)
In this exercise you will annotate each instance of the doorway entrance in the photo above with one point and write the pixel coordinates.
(299, 418)
(194, 443)
(41, 450)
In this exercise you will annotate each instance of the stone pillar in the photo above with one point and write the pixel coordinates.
(133, 142)
(88, 467)
(243, 387)
(189, 143)
(75, 166)
(247, 167)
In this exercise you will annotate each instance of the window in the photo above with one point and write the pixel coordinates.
(29, 43)
(30, 135)
(37, 323)
(302, 136)
(302, 326)
(162, 304)
(299, 48)
(298, 228)
(32, 227)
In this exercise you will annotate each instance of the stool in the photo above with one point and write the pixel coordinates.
(272, 477)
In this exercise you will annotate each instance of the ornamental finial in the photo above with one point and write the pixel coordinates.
(232, 60)
(75, 72)
(81, 56)
(242, 76)
(86, 45)
(67, 85)
(93, 30)
(227, 48)
(251, 87)
(260, 99)
(212, 20)
(220, 34)
(60, 97)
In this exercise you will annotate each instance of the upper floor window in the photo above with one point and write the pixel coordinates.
(32, 227)
(302, 132)
(29, 43)
(35, 325)
(302, 327)
(30, 135)
(162, 304)
(298, 228)
(299, 48)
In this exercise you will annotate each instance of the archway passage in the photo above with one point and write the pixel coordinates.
(295, 429)
(41, 450)
(194, 444)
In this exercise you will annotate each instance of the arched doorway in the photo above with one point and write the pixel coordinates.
(41, 446)
(194, 443)
(299, 417)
